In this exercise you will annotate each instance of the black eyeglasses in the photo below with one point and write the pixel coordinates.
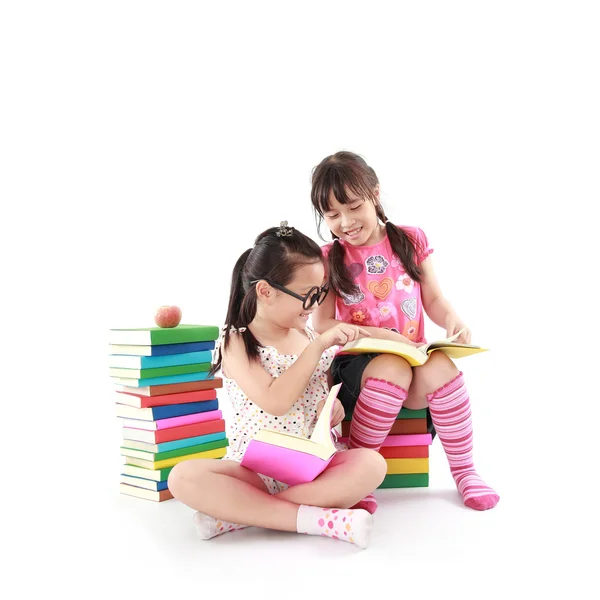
(315, 295)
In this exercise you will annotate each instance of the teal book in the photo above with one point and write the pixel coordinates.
(135, 383)
(159, 371)
(156, 456)
(176, 444)
(156, 336)
(123, 361)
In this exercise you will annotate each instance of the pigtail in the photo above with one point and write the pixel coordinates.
(240, 311)
(402, 245)
(339, 277)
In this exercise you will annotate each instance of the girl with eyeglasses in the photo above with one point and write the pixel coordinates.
(276, 371)
(382, 279)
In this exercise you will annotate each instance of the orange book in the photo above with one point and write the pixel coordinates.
(404, 451)
(403, 426)
(400, 427)
(131, 490)
(172, 388)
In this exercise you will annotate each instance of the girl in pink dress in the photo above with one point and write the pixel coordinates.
(381, 278)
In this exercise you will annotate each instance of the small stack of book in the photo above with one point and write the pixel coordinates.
(167, 403)
(406, 449)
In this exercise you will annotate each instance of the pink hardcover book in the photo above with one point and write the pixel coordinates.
(407, 439)
(290, 458)
(211, 415)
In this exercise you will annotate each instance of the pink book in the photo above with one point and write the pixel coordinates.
(408, 439)
(290, 458)
(211, 415)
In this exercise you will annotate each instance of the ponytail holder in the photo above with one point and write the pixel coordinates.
(232, 329)
(284, 230)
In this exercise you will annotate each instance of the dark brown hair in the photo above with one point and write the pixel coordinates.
(337, 174)
(273, 257)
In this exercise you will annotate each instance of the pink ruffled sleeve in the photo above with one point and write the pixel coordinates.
(421, 243)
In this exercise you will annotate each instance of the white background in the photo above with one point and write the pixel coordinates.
(144, 145)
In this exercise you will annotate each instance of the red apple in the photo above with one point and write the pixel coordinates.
(167, 316)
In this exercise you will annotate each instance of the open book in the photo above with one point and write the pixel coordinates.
(291, 458)
(415, 356)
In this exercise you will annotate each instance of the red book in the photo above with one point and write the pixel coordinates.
(174, 433)
(141, 401)
(173, 388)
(404, 451)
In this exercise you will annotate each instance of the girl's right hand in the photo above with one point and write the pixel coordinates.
(341, 334)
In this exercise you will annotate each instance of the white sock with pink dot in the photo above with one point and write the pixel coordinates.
(350, 525)
(208, 528)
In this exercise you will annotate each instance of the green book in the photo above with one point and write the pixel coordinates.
(154, 475)
(405, 480)
(156, 456)
(159, 371)
(405, 413)
(158, 336)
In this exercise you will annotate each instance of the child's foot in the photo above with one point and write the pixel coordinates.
(208, 527)
(475, 493)
(368, 503)
(350, 525)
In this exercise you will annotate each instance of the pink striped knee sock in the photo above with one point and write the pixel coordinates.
(451, 415)
(375, 412)
(368, 503)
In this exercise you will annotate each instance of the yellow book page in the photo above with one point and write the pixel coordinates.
(413, 355)
(458, 351)
(322, 432)
(320, 443)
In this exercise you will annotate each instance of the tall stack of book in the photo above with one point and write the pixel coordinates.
(167, 402)
(406, 449)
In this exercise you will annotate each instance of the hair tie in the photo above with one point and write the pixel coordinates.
(232, 329)
(284, 230)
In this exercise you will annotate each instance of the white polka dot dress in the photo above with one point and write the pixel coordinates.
(247, 419)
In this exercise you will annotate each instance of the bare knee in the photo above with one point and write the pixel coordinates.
(437, 371)
(185, 472)
(390, 368)
(372, 466)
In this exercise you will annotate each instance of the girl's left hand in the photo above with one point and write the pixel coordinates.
(453, 326)
(337, 413)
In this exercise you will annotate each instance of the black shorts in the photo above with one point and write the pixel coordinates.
(348, 370)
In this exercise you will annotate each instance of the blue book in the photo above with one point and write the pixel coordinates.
(162, 380)
(148, 484)
(126, 361)
(155, 413)
(161, 350)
